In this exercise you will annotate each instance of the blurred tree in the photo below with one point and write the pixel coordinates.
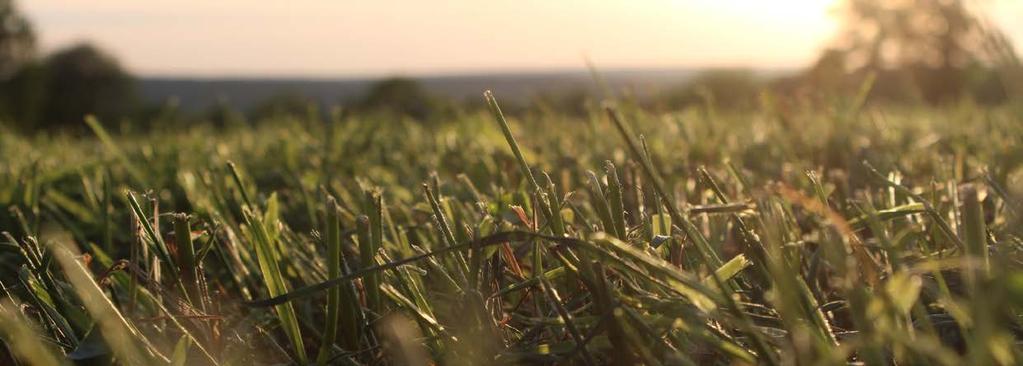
(83, 80)
(222, 114)
(929, 44)
(402, 96)
(576, 102)
(939, 33)
(18, 90)
(23, 96)
(727, 88)
(60, 90)
(164, 116)
(292, 104)
(827, 74)
(17, 40)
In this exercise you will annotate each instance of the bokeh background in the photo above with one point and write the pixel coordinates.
(140, 64)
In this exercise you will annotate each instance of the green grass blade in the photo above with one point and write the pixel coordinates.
(189, 268)
(269, 266)
(332, 230)
(617, 206)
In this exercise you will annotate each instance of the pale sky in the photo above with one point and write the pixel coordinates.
(365, 38)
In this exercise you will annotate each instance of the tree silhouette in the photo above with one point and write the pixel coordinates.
(288, 103)
(725, 88)
(932, 43)
(401, 96)
(83, 80)
(17, 40)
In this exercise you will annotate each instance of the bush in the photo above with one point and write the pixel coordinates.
(17, 39)
(727, 88)
(83, 80)
(402, 97)
(56, 93)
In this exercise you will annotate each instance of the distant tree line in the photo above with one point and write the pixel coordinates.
(920, 51)
(54, 92)
(394, 97)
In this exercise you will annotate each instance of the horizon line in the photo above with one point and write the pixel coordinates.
(442, 74)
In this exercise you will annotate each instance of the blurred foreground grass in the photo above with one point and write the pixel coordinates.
(785, 236)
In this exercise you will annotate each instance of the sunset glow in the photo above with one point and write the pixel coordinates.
(317, 38)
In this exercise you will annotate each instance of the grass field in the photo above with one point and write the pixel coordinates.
(837, 234)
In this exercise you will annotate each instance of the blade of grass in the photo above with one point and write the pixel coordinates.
(446, 233)
(155, 240)
(333, 238)
(270, 268)
(186, 252)
(545, 209)
(617, 207)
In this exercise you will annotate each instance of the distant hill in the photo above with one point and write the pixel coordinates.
(194, 94)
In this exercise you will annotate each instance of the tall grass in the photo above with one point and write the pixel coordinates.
(792, 235)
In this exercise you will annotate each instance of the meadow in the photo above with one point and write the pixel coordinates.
(833, 234)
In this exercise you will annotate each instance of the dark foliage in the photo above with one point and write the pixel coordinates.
(83, 80)
(403, 97)
(17, 39)
(282, 105)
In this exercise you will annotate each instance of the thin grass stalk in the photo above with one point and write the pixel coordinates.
(332, 230)
(975, 230)
(186, 252)
(370, 250)
(155, 239)
(365, 236)
(601, 204)
(446, 234)
(545, 209)
(617, 206)
(238, 182)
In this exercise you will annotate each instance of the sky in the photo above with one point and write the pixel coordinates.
(332, 38)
